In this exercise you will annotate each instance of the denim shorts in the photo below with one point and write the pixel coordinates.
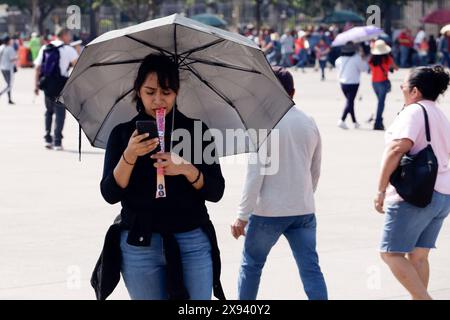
(407, 227)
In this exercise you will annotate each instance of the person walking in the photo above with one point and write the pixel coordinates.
(35, 45)
(301, 50)
(168, 246)
(349, 67)
(287, 48)
(380, 64)
(52, 71)
(322, 50)
(268, 213)
(432, 49)
(410, 232)
(8, 58)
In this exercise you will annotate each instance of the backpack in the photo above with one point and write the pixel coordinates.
(50, 79)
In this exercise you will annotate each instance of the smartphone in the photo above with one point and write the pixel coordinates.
(147, 126)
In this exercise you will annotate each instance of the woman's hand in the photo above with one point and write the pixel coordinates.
(171, 163)
(136, 147)
(379, 201)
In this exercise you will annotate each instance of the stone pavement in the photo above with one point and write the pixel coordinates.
(54, 218)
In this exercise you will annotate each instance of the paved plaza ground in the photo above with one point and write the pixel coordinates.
(53, 217)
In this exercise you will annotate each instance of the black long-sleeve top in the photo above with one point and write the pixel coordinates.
(184, 207)
(182, 210)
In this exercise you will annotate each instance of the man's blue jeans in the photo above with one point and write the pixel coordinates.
(262, 234)
(144, 268)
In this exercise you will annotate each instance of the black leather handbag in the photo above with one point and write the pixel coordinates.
(415, 176)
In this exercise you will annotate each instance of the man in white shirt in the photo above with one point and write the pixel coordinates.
(67, 57)
(283, 203)
(8, 58)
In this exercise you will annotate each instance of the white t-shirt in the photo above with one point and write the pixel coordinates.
(410, 124)
(66, 55)
(7, 54)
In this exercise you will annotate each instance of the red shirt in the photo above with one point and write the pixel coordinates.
(406, 40)
(299, 45)
(377, 73)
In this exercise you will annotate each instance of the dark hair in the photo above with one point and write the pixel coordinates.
(285, 77)
(62, 32)
(166, 70)
(430, 81)
(377, 60)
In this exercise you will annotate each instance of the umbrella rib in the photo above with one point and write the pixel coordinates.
(223, 65)
(101, 64)
(206, 46)
(221, 95)
(150, 45)
(111, 110)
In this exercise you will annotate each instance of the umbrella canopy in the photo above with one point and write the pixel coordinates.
(440, 16)
(357, 34)
(226, 80)
(343, 16)
(210, 20)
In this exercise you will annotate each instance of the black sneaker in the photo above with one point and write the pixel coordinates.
(11, 102)
(379, 127)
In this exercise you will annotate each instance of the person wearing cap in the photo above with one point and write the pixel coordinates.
(349, 67)
(380, 64)
(8, 58)
(281, 202)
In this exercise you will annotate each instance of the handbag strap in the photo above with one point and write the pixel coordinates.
(427, 125)
(384, 71)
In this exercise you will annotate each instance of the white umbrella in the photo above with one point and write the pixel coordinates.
(357, 34)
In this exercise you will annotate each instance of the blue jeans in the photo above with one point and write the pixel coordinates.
(285, 60)
(60, 115)
(262, 234)
(322, 64)
(445, 59)
(404, 56)
(381, 90)
(302, 58)
(144, 268)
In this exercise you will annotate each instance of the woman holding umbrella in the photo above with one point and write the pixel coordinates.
(350, 65)
(380, 64)
(168, 245)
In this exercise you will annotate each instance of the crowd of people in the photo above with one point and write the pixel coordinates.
(303, 47)
(168, 248)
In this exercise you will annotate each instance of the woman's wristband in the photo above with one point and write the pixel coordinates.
(124, 159)
(198, 177)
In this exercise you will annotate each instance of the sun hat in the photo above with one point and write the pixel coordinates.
(379, 48)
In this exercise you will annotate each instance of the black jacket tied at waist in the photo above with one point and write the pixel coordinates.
(182, 210)
(106, 274)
